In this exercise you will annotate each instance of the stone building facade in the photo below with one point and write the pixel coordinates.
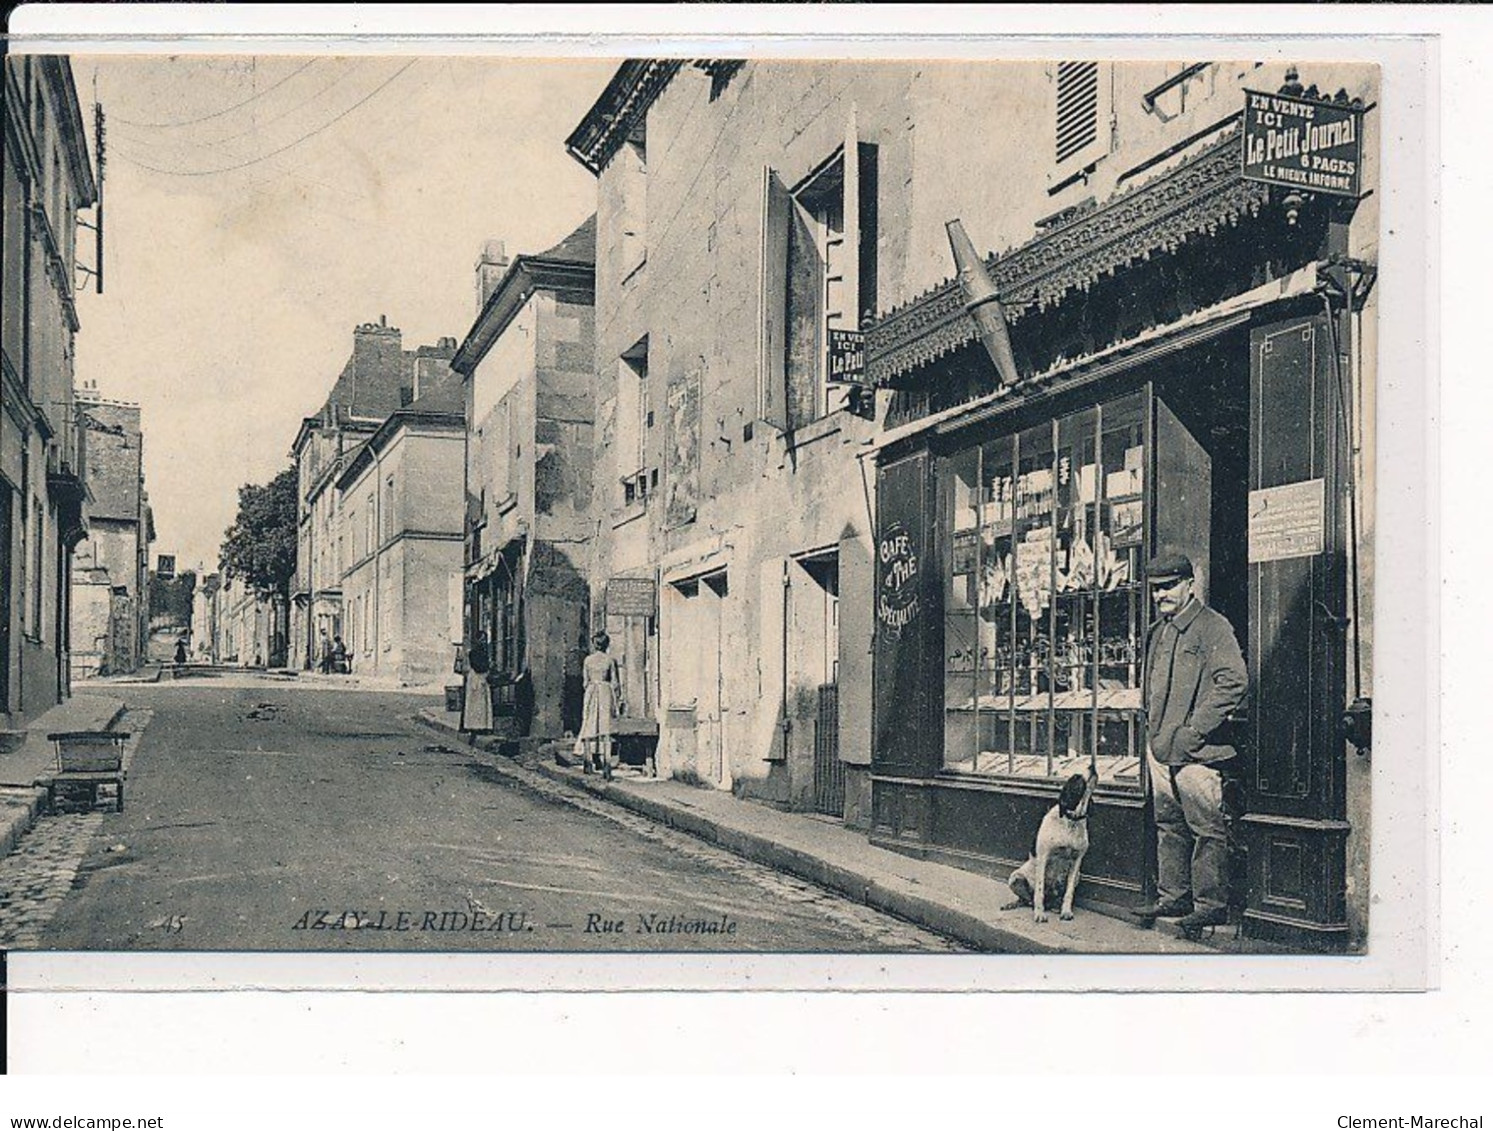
(379, 378)
(744, 211)
(749, 211)
(243, 623)
(47, 178)
(110, 623)
(526, 364)
(400, 497)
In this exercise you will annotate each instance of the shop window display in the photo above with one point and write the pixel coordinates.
(1044, 606)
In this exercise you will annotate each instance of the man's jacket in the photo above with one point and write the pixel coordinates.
(1194, 676)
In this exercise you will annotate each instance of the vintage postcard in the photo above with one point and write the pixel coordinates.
(471, 504)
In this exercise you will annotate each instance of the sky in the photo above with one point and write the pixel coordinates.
(258, 208)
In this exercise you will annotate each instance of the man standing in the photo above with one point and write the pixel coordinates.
(1194, 677)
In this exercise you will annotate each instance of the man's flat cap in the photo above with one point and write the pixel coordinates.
(1168, 567)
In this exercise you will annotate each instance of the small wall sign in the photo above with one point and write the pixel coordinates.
(631, 597)
(1287, 521)
(847, 357)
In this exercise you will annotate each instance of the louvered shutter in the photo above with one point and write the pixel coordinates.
(1082, 104)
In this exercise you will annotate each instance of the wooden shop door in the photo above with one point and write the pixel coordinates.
(1295, 831)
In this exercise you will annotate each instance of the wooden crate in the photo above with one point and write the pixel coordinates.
(88, 751)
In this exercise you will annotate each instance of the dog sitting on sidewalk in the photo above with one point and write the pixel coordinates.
(1051, 872)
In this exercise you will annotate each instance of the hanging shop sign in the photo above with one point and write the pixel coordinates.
(1287, 521)
(847, 357)
(631, 597)
(1303, 144)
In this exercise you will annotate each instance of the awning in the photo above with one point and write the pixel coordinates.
(484, 567)
(1199, 326)
(1195, 198)
(488, 564)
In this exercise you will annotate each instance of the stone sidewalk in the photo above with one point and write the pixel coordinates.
(961, 905)
(21, 798)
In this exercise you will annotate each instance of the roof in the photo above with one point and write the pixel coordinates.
(446, 395)
(578, 247)
(431, 418)
(376, 379)
(1067, 372)
(370, 382)
(113, 459)
(568, 266)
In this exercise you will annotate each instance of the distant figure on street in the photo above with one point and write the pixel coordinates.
(602, 704)
(476, 712)
(1194, 677)
(339, 656)
(326, 655)
(181, 652)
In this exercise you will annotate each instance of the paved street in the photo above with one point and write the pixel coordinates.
(263, 815)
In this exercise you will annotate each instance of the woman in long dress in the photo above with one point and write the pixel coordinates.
(602, 704)
(477, 703)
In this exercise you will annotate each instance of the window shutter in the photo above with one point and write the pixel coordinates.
(772, 384)
(1078, 108)
(866, 220)
(1082, 97)
(852, 206)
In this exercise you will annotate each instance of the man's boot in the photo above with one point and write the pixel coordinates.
(1164, 909)
(1192, 925)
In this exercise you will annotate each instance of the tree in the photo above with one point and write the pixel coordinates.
(260, 546)
(171, 598)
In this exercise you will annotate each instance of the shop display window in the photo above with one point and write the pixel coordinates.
(1044, 615)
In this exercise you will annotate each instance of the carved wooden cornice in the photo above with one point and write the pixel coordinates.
(619, 109)
(1197, 198)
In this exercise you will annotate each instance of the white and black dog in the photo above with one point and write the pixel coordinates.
(1051, 872)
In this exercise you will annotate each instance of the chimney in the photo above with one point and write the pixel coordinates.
(492, 262)
(377, 368)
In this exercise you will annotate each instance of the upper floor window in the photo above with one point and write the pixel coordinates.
(633, 420)
(14, 235)
(37, 566)
(388, 512)
(818, 275)
(1083, 113)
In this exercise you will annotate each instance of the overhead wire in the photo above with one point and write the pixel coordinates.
(274, 152)
(260, 124)
(227, 109)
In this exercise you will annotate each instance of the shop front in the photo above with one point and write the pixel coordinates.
(495, 617)
(1014, 523)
